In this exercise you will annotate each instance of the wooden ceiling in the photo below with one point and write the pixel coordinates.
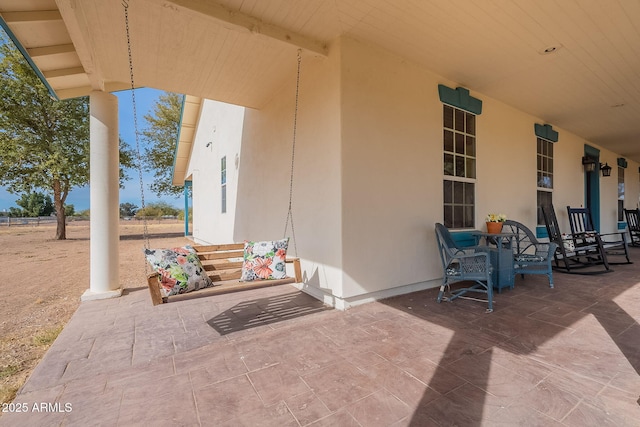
(240, 51)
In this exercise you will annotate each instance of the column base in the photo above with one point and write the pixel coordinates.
(90, 295)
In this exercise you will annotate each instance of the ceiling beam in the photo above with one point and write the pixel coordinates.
(112, 86)
(79, 32)
(64, 72)
(86, 90)
(31, 16)
(236, 20)
(74, 92)
(36, 52)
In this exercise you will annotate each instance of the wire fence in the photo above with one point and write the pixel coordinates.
(6, 221)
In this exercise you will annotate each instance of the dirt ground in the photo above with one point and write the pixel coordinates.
(43, 280)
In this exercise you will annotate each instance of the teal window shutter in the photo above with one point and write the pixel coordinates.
(546, 132)
(460, 98)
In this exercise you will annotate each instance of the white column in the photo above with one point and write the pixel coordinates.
(103, 190)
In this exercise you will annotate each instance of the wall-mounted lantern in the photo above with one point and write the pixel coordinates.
(589, 164)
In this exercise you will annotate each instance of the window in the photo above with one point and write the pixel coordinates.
(459, 167)
(544, 176)
(620, 194)
(223, 183)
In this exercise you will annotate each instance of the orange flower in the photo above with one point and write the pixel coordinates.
(166, 280)
(281, 253)
(261, 268)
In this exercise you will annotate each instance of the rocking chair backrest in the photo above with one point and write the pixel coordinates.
(551, 223)
(632, 219)
(580, 220)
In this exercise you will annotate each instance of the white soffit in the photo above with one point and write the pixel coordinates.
(242, 51)
(188, 125)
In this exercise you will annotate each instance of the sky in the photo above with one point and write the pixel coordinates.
(79, 197)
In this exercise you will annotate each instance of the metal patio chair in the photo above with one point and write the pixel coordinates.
(461, 265)
(614, 244)
(574, 254)
(529, 255)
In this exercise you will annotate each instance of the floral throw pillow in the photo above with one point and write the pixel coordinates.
(264, 260)
(180, 270)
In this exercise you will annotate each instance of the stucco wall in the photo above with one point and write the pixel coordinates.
(368, 173)
(392, 170)
(392, 189)
(265, 167)
(220, 125)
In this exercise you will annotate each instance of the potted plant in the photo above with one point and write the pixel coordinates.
(494, 222)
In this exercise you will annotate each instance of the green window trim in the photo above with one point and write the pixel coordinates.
(545, 132)
(622, 162)
(460, 98)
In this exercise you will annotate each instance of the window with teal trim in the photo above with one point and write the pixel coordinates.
(544, 176)
(620, 194)
(459, 148)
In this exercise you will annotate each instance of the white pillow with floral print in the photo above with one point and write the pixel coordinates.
(264, 260)
(180, 270)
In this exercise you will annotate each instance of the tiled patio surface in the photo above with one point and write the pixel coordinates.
(568, 356)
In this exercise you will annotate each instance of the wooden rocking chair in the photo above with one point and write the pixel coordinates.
(633, 223)
(614, 244)
(579, 254)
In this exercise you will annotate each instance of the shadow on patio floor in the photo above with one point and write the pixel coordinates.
(275, 356)
(265, 311)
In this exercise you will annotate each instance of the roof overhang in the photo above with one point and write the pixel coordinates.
(572, 65)
(50, 39)
(191, 106)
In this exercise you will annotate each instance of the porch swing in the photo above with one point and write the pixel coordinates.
(222, 268)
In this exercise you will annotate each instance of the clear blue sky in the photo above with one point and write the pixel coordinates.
(79, 197)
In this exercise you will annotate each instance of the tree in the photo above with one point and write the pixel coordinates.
(44, 143)
(35, 204)
(157, 210)
(128, 209)
(161, 136)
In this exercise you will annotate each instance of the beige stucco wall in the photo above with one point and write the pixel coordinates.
(392, 171)
(220, 125)
(265, 168)
(368, 172)
(391, 163)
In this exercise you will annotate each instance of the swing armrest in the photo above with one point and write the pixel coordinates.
(154, 288)
(296, 268)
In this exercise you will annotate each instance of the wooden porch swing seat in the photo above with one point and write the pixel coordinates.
(223, 264)
(614, 244)
(469, 264)
(633, 224)
(580, 253)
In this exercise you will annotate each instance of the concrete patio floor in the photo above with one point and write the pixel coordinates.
(568, 356)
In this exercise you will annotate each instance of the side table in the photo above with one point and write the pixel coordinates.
(501, 255)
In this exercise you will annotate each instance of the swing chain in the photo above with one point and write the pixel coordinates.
(293, 155)
(145, 233)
